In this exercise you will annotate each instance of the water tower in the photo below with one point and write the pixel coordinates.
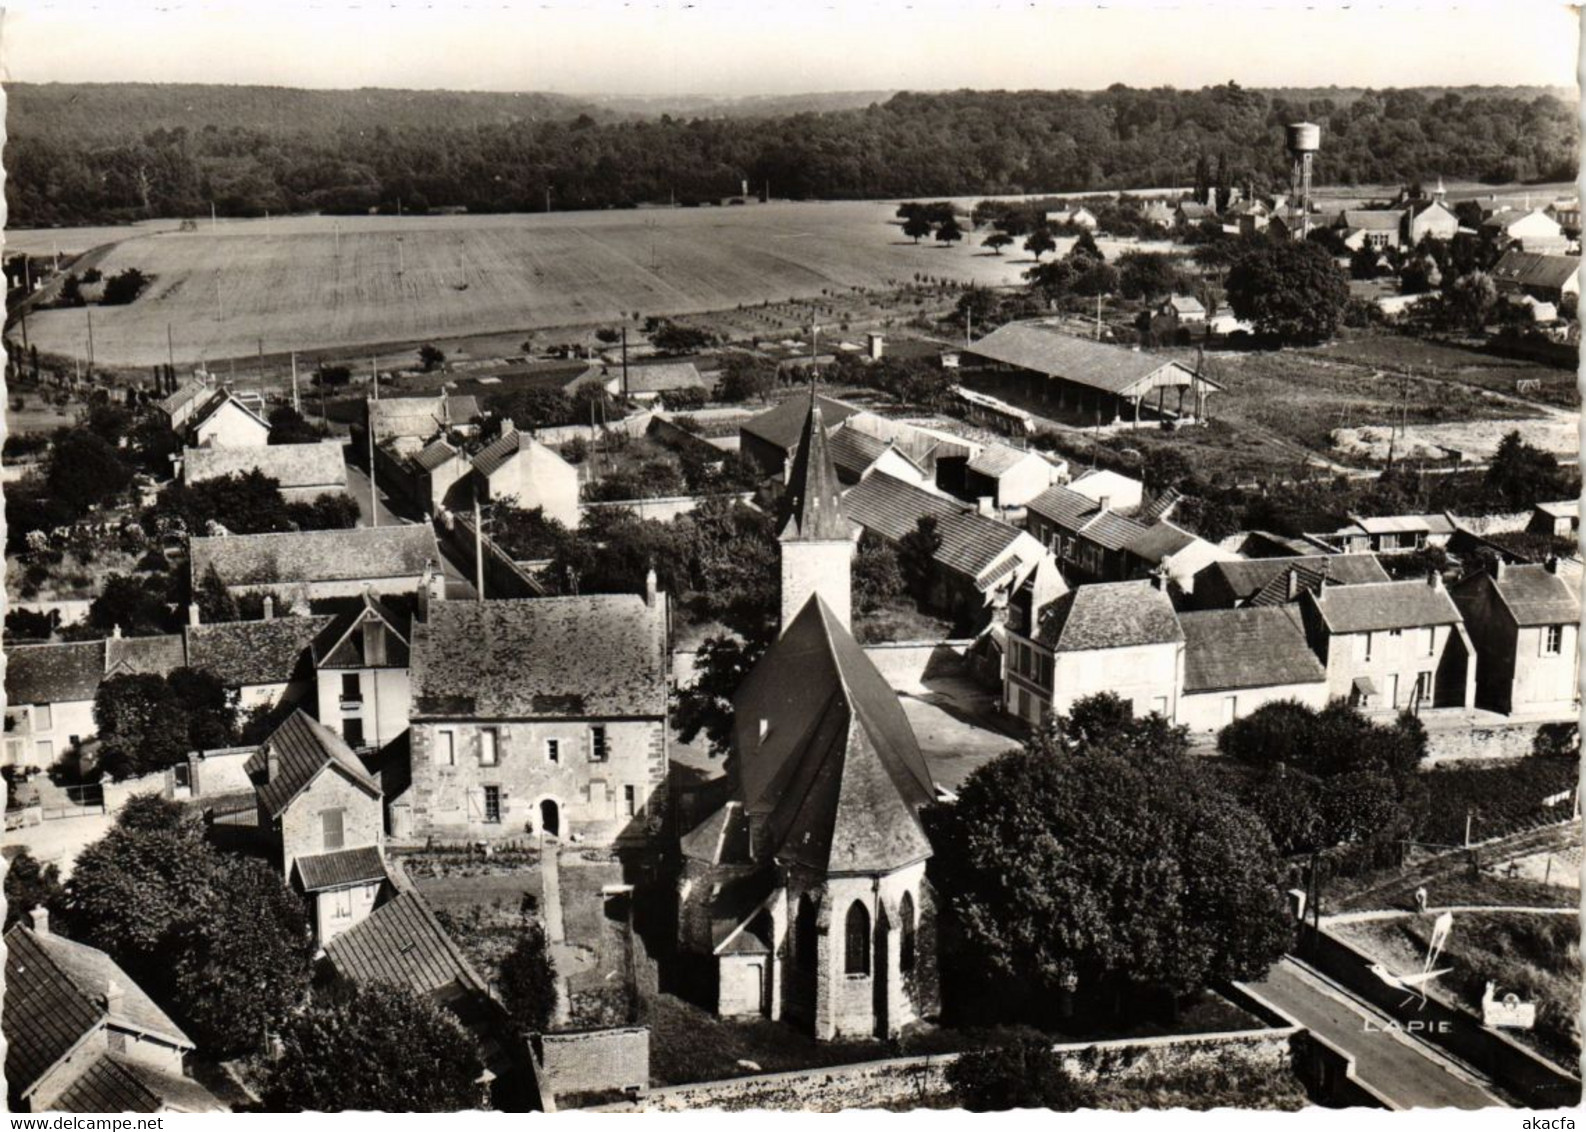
(1304, 139)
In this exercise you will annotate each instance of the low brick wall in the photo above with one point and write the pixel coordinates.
(914, 1081)
(1481, 741)
(593, 1061)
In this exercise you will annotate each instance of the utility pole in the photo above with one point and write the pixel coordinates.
(296, 408)
(624, 363)
(969, 327)
(214, 223)
(170, 349)
(1098, 316)
(374, 496)
(374, 377)
(89, 311)
(814, 330)
(479, 549)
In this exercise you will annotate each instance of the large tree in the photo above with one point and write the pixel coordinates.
(1291, 290)
(528, 980)
(1524, 474)
(1117, 863)
(84, 470)
(147, 722)
(30, 885)
(379, 1047)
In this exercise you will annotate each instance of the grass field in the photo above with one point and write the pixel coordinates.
(294, 283)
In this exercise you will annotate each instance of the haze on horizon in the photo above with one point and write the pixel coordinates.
(733, 48)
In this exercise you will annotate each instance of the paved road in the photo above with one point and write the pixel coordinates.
(358, 488)
(1404, 1070)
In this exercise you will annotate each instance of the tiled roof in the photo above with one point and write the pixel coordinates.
(783, 425)
(1187, 304)
(662, 376)
(219, 402)
(1246, 648)
(1288, 585)
(1242, 578)
(340, 869)
(303, 747)
(337, 646)
(1112, 530)
(360, 553)
(1110, 615)
(52, 674)
(402, 943)
(1195, 210)
(1159, 541)
(1528, 269)
(159, 655)
(891, 508)
(812, 501)
(1568, 509)
(419, 417)
(1374, 220)
(55, 994)
(292, 466)
(995, 459)
(118, 1084)
(494, 456)
(1160, 507)
(1537, 596)
(1045, 349)
(434, 454)
(183, 397)
(245, 653)
(853, 451)
(838, 775)
(1063, 506)
(594, 656)
(1385, 605)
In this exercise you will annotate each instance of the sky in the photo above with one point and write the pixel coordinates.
(737, 48)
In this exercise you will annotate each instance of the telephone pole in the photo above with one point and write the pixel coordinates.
(624, 363)
(296, 408)
(170, 349)
(89, 311)
(374, 496)
(479, 549)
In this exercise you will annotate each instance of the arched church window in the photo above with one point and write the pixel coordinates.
(906, 949)
(856, 953)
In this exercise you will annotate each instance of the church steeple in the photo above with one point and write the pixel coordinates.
(817, 543)
(812, 506)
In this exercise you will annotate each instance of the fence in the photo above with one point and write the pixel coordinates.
(503, 576)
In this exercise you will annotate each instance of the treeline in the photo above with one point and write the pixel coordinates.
(375, 148)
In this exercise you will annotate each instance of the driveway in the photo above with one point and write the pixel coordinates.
(1405, 1071)
(358, 488)
(958, 727)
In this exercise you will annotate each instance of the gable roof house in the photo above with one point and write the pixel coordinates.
(326, 821)
(1239, 660)
(1170, 552)
(1083, 378)
(179, 407)
(1267, 581)
(1010, 477)
(1119, 637)
(539, 715)
(1431, 218)
(856, 454)
(979, 562)
(1391, 646)
(770, 438)
(651, 381)
(1561, 519)
(304, 472)
(361, 662)
(1090, 539)
(309, 565)
(225, 421)
(1376, 228)
(1387, 534)
(1193, 212)
(81, 1036)
(1545, 277)
(1524, 622)
(517, 468)
(1531, 228)
(265, 662)
(407, 424)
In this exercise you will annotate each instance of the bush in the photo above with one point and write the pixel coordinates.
(693, 397)
(1027, 1075)
(528, 981)
(30, 625)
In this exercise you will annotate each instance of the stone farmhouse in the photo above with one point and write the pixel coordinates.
(1524, 622)
(303, 471)
(305, 566)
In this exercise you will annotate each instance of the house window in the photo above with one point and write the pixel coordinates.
(856, 949)
(46, 752)
(1423, 687)
(351, 688)
(630, 800)
(341, 904)
(1368, 646)
(1552, 640)
(553, 751)
(352, 731)
(489, 747)
(43, 718)
(445, 747)
(493, 805)
(597, 744)
(1395, 632)
(1427, 640)
(330, 830)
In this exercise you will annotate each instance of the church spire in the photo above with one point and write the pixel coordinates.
(812, 506)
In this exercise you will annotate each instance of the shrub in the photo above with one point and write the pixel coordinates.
(1026, 1075)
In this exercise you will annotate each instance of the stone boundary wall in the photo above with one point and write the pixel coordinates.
(915, 1081)
(503, 576)
(663, 509)
(1506, 740)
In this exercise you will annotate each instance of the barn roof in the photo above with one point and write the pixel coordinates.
(287, 557)
(419, 417)
(159, 655)
(591, 656)
(245, 653)
(184, 397)
(853, 451)
(494, 456)
(783, 425)
(995, 460)
(292, 466)
(659, 377)
(1374, 220)
(970, 542)
(1530, 269)
(1242, 578)
(1043, 348)
(1246, 648)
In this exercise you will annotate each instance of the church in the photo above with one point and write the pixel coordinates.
(807, 889)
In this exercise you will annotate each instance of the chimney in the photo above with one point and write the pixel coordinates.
(1434, 579)
(765, 726)
(269, 607)
(1293, 584)
(113, 997)
(40, 916)
(272, 763)
(1497, 568)
(1551, 564)
(984, 505)
(1105, 503)
(115, 632)
(507, 427)
(192, 614)
(649, 587)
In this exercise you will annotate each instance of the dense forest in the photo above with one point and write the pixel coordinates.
(81, 154)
